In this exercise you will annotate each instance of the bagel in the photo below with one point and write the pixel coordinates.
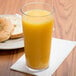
(18, 32)
(17, 22)
(6, 28)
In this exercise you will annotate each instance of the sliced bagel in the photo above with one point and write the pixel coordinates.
(16, 21)
(6, 28)
(18, 32)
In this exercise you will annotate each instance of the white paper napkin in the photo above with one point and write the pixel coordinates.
(60, 50)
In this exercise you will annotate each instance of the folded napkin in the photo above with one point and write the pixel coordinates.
(59, 51)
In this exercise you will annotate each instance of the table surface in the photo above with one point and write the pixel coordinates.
(65, 28)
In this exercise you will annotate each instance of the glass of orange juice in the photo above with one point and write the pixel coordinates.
(37, 21)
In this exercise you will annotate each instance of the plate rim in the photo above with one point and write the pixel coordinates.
(12, 48)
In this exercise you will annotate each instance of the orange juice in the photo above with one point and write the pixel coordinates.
(37, 27)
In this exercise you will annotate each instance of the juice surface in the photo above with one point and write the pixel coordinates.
(37, 27)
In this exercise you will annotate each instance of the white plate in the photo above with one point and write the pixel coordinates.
(12, 44)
